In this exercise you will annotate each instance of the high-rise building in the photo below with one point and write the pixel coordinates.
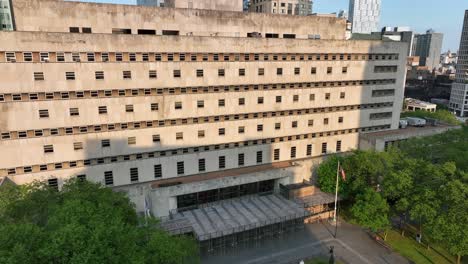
(364, 15)
(285, 7)
(459, 94)
(6, 20)
(182, 108)
(428, 48)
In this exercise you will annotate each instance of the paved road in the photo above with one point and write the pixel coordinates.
(352, 245)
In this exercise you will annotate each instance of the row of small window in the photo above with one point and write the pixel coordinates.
(180, 166)
(181, 90)
(391, 68)
(195, 57)
(152, 74)
(181, 121)
(201, 134)
(44, 113)
(181, 151)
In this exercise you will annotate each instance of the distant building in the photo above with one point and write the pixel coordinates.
(219, 5)
(428, 47)
(364, 15)
(285, 7)
(415, 105)
(459, 94)
(6, 21)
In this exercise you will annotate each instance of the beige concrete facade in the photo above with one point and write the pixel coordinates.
(129, 110)
(220, 5)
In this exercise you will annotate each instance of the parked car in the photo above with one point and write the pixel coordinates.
(415, 121)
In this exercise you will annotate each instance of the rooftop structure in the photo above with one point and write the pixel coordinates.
(220, 5)
(184, 107)
(381, 141)
(415, 105)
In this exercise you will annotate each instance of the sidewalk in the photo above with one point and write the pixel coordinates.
(352, 245)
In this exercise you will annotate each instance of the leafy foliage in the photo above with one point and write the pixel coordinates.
(85, 223)
(425, 179)
(371, 210)
(451, 146)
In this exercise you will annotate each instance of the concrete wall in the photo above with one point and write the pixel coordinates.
(220, 5)
(35, 15)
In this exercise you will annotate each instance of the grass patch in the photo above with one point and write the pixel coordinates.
(409, 248)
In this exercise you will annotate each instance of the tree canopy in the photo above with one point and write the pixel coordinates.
(425, 179)
(84, 223)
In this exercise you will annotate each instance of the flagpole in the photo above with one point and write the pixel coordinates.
(336, 191)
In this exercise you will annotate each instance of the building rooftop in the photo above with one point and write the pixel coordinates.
(408, 132)
(419, 103)
(239, 215)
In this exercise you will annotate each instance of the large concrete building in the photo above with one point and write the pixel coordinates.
(6, 17)
(180, 107)
(459, 94)
(283, 7)
(428, 48)
(364, 15)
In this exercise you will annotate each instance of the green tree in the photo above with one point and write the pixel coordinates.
(84, 223)
(327, 175)
(450, 226)
(371, 210)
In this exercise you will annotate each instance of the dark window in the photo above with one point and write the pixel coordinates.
(241, 72)
(240, 159)
(121, 31)
(293, 152)
(329, 70)
(74, 30)
(221, 102)
(105, 143)
(133, 174)
(309, 150)
(180, 168)
(199, 73)
(146, 32)
(324, 148)
(279, 71)
(158, 171)
(222, 162)
(201, 165)
(278, 98)
(108, 178)
(276, 154)
(170, 32)
(291, 36)
(259, 156)
(53, 183)
(338, 146)
(221, 72)
(86, 30)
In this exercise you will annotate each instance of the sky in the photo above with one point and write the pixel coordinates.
(442, 16)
